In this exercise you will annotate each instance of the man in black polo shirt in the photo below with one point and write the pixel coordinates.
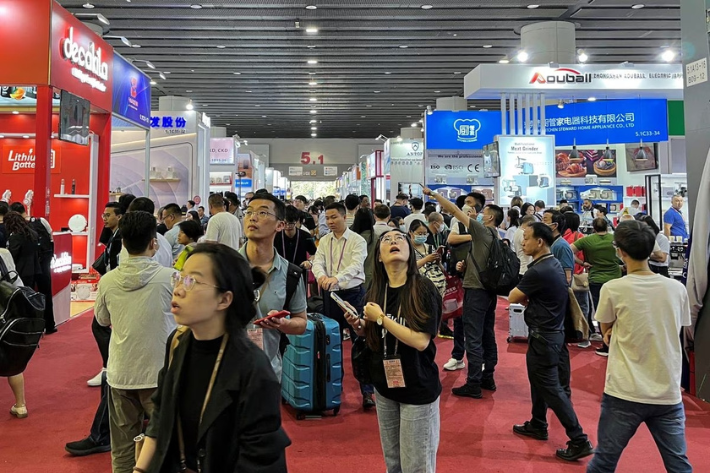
(293, 243)
(543, 290)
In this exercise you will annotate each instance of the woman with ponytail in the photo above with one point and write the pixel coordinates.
(217, 407)
(400, 323)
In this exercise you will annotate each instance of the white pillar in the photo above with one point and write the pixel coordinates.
(549, 41)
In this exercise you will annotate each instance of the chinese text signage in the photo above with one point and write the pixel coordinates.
(173, 123)
(131, 92)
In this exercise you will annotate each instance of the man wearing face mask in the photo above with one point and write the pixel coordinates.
(438, 230)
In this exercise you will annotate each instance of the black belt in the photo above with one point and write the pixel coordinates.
(352, 289)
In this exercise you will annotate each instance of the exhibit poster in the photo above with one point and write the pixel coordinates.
(527, 167)
(583, 161)
(641, 157)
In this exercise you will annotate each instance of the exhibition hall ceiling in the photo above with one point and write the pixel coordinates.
(249, 64)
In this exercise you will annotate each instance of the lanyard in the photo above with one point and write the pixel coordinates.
(384, 330)
(283, 244)
(342, 252)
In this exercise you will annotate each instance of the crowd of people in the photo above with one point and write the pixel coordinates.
(181, 293)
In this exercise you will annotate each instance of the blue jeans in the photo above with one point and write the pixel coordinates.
(479, 317)
(409, 435)
(583, 301)
(618, 423)
(459, 348)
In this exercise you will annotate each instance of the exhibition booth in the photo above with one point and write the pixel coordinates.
(234, 170)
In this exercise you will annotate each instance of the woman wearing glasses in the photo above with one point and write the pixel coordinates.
(400, 323)
(217, 407)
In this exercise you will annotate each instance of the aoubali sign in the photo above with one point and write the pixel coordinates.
(576, 80)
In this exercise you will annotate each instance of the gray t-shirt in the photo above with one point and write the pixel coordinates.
(482, 238)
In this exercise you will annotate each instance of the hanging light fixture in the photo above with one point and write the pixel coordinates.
(641, 153)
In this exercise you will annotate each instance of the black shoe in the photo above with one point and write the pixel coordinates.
(445, 332)
(530, 431)
(489, 384)
(468, 390)
(603, 351)
(367, 402)
(575, 451)
(50, 331)
(84, 447)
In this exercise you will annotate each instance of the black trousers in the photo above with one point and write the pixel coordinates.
(43, 282)
(479, 317)
(102, 335)
(544, 359)
(100, 429)
(663, 270)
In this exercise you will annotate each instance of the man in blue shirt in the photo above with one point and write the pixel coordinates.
(560, 248)
(673, 221)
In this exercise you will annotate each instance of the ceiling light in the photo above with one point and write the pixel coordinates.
(88, 5)
(505, 60)
(134, 45)
(387, 73)
(312, 30)
(189, 105)
(561, 104)
(313, 84)
(429, 111)
(123, 39)
(414, 125)
(237, 73)
(582, 56)
(149, 64)
(162, 76)
(257, 106)
(457, 73)
(484, 110)
(221, 46)
(437, 91)
(311, 7)
(248, 91)
(376, 91)
(246, 142)
(313, 135)
(312, 46)
(263, 116)
(522, 56)
(152, 82)
(403, 46)
(427, 7)
(313, 121)
(363, 116)
(592, 99)
(313, 112)
(533, 6)
(196, 6)
(668, 55)
(368, 106)
(314, 128)
(313, 99)
(188, 91)
(312, 61)
(487, 46)
(15, 112)
(638, 6)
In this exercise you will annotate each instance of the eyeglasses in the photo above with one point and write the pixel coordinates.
(188, 282)
(290, 224)
(397, 239)
(259, 215)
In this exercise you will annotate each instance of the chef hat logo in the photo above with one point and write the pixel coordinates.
(467, 129)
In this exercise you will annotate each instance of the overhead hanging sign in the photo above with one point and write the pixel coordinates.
(613, 121)
(131, 92)
(461, 130)
(488, 81)
(527, 165)
(222, 151)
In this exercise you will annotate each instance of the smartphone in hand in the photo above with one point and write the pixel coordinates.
(277, 315)
(343, 305)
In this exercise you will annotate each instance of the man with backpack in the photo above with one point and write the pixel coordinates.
(487, 271)
(45, 251)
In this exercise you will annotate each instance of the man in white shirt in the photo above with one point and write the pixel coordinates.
(172, 215)
(417, 205)
(641, 316)
(382, 216)
(339, 266)
(223, 227)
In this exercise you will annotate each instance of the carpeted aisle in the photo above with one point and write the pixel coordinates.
(475, 435)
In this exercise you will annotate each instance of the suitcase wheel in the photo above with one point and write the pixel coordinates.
(336, 411)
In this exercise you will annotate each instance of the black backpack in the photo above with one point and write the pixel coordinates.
(21, 324)
(45, 245)
(502, 268)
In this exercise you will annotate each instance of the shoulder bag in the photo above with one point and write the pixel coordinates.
(580, 282)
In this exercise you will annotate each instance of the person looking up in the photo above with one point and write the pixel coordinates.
(400, 323)
(539, 209)
(203, 217)
(301, 203)
(479, 304)
(543, 290)
(134, 299)
(293, 243)
(263, 219)
(352, 204)
(223, 226)
(673, 221)
(399, 208)
(172, 215)
(417, 205)
(218, 405)
(339, 266)
(190, 232)
(642, 313)
(382, 216)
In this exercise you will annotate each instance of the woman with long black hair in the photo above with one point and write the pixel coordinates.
(217, 407)
(22, 243)
(400, 323)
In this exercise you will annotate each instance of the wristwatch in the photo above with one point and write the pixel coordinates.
(380, 319)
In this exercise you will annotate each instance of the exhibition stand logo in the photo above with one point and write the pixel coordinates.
(562, 75)
(92, 69)
(467, 129)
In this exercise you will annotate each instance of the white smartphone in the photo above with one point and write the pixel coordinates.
(341, 303)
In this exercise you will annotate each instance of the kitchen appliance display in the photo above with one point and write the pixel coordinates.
(527, 162)
(580, 162)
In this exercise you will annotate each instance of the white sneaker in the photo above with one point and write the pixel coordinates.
(596, 337)
(19, 412)
(453, 364)
(585, 344)
(96, 380)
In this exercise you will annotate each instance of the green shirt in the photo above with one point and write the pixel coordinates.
(601, 254)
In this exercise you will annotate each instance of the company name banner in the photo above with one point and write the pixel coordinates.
(131, 92)
(461, 130)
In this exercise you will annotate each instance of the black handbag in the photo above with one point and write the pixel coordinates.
(21, 324)
(100, 265)
(367, 364)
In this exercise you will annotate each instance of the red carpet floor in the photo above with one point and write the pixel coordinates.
(475, 434)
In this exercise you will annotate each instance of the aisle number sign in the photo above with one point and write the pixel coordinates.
(311, 158)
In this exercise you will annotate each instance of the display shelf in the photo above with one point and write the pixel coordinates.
(163, 180)
(72, 196)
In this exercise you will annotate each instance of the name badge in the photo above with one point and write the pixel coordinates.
(394, 373)
(256, 335)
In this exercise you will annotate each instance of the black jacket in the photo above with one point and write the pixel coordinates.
(241, 428)
(113, 248)
(24, 253)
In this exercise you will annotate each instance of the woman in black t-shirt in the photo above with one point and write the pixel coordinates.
(405, 307)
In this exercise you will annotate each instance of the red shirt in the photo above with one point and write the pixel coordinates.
(571, 238)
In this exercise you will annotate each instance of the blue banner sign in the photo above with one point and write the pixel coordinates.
(618, 121)
(461, 130)
(131, 92)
